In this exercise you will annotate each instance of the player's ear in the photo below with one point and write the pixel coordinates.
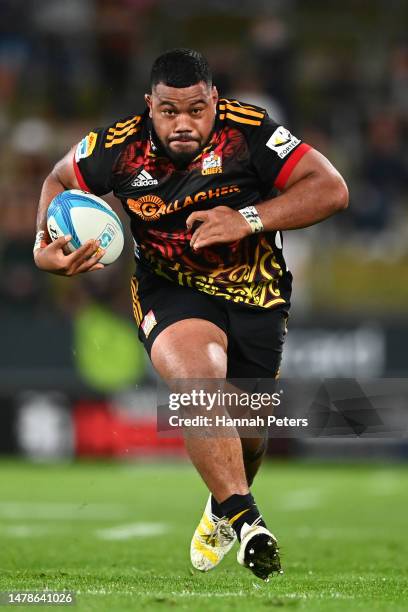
(148, 100)
(214, 94)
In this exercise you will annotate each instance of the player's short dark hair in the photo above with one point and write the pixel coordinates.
(180, 68)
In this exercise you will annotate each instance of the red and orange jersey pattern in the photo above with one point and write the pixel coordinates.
(247, 271)
(247, 159)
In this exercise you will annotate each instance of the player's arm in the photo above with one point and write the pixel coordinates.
(48, 255)
(310, 189)
(313, 192)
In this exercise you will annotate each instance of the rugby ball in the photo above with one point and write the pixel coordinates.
(85, 216)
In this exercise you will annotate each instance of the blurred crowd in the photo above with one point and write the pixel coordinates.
(337, 77)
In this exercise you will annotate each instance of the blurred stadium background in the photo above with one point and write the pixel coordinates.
(74, 382)
(73, 378)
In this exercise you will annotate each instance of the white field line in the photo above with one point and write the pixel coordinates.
(240, 593)
(383, 484)
(62, 511)
(164, 595)
(27, 531)
(345, 533)
(132, 530)
(322, 595)
(120, 532)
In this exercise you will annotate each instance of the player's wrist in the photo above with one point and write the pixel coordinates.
(252, 218)
(40, 241)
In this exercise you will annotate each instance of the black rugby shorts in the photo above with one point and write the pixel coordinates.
(255, 335)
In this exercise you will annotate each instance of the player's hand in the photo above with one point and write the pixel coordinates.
(52, 258)
(217, 226)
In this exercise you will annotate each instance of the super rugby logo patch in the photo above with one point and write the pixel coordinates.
(86, 146)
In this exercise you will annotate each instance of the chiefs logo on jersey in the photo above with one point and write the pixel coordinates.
(211, 164)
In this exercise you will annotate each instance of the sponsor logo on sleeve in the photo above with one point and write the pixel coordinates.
(282, 142)
(86, 146)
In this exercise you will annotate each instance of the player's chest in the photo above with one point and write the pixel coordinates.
(153, 190)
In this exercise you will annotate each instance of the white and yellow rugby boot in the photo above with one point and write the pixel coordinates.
(212, 539)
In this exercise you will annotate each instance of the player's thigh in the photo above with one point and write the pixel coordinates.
(190, 348)
(255, 342)
(186, 328)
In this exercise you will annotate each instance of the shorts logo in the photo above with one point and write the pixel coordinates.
(282, 142)
(148, 207)
(86, 146)
(148, 323)
(211, 164)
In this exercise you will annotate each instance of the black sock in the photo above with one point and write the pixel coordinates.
(215, 507)
(240, 509)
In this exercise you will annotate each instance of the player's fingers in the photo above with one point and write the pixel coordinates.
(199, 216)
(60, 242)
(200, 228)
(83, 253)
(90, 263)
(210, 240)
(203, 241)
(97, 266)
(199, 233)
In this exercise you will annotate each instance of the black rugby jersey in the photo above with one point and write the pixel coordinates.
(248, 159)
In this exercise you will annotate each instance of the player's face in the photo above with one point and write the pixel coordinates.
(183, 118)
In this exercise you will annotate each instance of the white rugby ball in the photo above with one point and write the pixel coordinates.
(85, 216)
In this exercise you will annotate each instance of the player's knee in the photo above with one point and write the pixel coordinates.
(209, 362)
(191, 349)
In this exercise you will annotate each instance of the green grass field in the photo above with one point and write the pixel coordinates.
(119, 535)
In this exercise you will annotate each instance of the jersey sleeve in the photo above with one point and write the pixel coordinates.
(275, 153)
(93, 162)
(96, 154)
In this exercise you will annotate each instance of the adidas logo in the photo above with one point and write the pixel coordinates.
(144, 179)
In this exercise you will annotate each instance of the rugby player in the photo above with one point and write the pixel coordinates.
(208, 183)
